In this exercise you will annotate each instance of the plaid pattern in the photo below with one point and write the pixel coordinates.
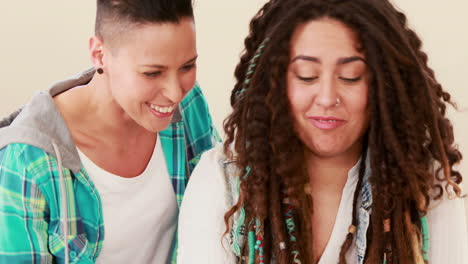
(30, 194)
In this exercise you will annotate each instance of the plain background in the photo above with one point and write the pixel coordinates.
(46, 41)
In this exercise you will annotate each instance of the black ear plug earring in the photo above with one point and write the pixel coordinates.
(100, 71)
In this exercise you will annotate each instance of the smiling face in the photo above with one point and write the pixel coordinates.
(152, 70)
(327, 87)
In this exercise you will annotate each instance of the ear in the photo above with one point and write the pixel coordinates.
(96, 49)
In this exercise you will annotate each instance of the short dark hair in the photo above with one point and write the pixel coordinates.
(115, 16)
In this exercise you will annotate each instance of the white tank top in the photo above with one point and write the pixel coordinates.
(140, 213)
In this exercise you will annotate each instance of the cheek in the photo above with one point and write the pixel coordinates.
(188, 80)
(293, 93)
(298, 98)
(122, 80)
(133, 91)
(360, 106)
(363, 101)
(135, 86)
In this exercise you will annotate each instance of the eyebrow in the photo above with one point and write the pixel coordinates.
(165, 67)
(340, 61)
(350, 59)
(306, 58)
(191, 60)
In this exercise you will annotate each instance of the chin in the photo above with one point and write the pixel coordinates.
(326, 150)
(326, 154)
(158, 127)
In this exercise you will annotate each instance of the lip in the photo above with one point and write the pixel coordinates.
(326, 122)
(159, 114)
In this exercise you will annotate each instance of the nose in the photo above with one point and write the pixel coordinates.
(173, 90)
(327, 95)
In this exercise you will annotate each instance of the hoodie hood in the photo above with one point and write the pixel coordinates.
(39, 123)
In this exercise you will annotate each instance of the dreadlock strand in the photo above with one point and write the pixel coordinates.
(354, 222)
(416, 242)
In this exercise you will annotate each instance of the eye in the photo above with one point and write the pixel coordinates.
(153, 74)
(188, 67)
(307, 79)
(350, 80)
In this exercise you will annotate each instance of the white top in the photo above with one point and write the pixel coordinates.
(140, 213)
(201, 221)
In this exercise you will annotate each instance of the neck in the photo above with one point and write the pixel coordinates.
(331, 173)
(93, 110)
(107, 110)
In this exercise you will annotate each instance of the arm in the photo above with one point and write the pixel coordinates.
(201, 219)
(448, 242)
(23, 213)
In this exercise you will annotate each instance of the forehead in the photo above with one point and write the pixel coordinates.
(164, 42)
(325, 36)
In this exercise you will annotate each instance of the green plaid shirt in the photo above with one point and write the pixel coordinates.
(30, 226)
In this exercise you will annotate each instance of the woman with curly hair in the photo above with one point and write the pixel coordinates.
(338, 148)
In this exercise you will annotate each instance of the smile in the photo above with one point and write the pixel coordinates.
(330, 120)
(326, 123)
(162, 111)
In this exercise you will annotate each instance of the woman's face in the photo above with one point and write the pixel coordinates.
(327, 86)
(152, 70)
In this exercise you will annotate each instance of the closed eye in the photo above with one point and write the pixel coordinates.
(188, 67)
(153, 74)
(350, 80)
(307, 79)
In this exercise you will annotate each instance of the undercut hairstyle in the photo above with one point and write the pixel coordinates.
(410, 140)
(114, 18)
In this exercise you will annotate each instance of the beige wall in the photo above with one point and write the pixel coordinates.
(45, 41)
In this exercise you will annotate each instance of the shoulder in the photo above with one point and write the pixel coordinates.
(24, 170)
(209, 170)
(209, 186)
(446, 210)
(19, 156)
(212, 187)
(27, 166)
(214, 166)
(447, 231)
(201, 218)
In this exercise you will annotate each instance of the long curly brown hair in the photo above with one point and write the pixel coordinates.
(410, 140)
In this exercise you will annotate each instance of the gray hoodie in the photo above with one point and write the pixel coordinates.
(40, 124)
